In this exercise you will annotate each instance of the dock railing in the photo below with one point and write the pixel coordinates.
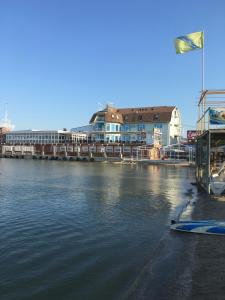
(211, 100)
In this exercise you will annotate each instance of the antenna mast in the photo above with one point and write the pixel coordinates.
(6, 113)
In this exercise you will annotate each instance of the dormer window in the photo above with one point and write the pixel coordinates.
(100, 118)
(156, 117)
(113, 116)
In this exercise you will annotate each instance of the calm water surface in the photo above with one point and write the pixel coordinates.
(72, 230)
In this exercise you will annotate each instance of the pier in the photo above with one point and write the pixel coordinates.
(90, 152)
(124, 153)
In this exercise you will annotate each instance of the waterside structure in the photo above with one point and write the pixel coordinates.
(140, 124)
(128, 134)
(82, 151)
(210, 148)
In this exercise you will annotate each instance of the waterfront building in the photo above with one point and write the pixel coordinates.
(43, 137)
(5, 126)
(138, 125)
(3, 131)
(85, 129)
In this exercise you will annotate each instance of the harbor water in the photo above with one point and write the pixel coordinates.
(86, 231)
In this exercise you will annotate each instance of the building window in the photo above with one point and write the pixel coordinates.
(156, 117)
(100, 118)
(158, 125)
(113, 127)
(141, 127)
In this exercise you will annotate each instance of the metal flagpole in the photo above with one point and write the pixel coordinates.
(203, 63)
(203, 76)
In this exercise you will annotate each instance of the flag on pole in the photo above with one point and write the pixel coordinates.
(189, 42)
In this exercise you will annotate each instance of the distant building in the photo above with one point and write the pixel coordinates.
(43, 137)
(85, 129)
(148, 125)
(137, 124)
(3, 131)
(5, 126)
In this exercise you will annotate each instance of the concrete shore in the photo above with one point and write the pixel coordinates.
(208, 258)
(200, 270)
(190, 266)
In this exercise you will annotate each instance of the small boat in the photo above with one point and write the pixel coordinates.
(200, 226)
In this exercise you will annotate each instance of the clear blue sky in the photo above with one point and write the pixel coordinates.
(59, 59)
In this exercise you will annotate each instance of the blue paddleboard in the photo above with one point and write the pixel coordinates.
(201, 226)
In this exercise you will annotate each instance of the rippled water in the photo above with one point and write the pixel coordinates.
(71, 230)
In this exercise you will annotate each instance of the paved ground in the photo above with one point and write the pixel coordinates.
(208, 259)
(186, 266)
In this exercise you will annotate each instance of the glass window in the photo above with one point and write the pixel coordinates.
(100, 118)
(156, 117)
(141, 127)
(126, 127)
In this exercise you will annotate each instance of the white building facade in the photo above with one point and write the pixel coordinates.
(137, 125)
(43, 137)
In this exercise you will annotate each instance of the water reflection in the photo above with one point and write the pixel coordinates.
(174, 183)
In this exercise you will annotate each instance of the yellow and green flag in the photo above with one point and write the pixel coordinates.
(189, 42)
